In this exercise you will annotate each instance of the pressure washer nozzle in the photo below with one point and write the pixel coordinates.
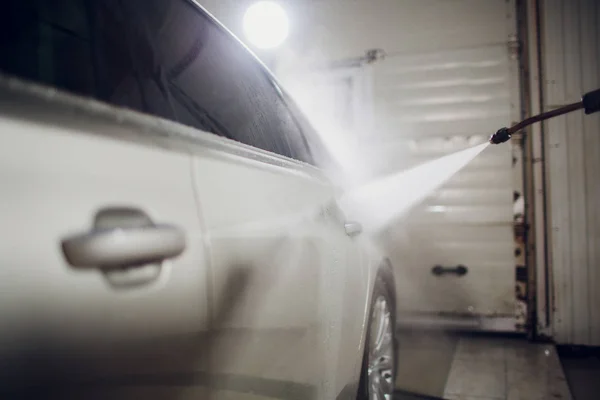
(500, 137)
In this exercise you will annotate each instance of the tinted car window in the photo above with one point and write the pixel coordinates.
(161, 57)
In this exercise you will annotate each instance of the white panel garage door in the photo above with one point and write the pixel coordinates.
(431, 103)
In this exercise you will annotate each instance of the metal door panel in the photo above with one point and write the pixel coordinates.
(281, 262)
(56, 177)
(432, 103)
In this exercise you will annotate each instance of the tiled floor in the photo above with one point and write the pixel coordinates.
(480, 368)
(510, 369)
(424, 362)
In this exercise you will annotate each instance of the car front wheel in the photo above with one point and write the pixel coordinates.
(379, 364)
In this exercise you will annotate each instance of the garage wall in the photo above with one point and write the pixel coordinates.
(570, 39)
(332, 30)
(430, 103)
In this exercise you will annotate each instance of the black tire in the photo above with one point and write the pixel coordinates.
(381, 288)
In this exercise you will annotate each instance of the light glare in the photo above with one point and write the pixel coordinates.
(266, 24)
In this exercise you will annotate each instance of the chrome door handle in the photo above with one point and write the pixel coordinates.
(120, 247)
(353, 228)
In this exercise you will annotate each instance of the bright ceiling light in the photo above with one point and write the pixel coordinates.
(266, 25)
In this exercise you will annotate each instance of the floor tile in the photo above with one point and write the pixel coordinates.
(529, 356)
(558, 389)
(534, 372)
(527, 384)
(484, 379)
(424, 362)
(423, 371)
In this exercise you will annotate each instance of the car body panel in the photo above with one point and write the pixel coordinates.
(287, 279)
(293, 325)
(55, 177)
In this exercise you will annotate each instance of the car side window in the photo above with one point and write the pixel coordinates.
(161, 57)
(84, 47)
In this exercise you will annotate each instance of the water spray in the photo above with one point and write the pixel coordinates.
(381, 201)
(590, 103)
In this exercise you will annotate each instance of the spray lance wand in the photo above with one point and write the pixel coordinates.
(590, 102)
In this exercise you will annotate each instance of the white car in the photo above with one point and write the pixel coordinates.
(168, 226)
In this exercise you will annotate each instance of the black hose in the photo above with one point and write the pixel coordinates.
(590, 103)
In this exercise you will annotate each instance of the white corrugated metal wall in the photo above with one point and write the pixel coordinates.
(570, 40)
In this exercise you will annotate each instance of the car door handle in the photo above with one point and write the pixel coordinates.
(353, 228)
(122, 247)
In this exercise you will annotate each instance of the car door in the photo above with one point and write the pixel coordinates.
(103, 285)
(283, 268)
(274, 307)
